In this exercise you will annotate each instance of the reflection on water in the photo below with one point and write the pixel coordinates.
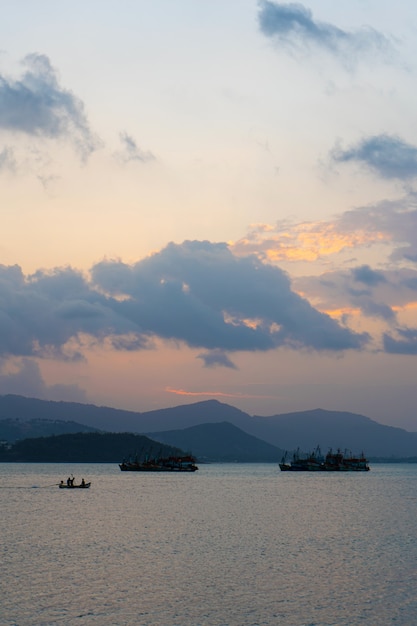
(233, 545)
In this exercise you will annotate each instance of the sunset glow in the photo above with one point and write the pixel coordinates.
(202, 197)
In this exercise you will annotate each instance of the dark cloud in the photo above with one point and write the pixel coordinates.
(395, 290)
(371, 308)
(216, 358)
(338, 289)
(411, 283)
(131, 151)
(36, 105)
(41, 313)
(293, 24)
(387, 156)
(197, 293)
(406, 344)
(364, 274)
(200, 293)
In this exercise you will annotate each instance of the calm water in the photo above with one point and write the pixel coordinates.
(236, 545)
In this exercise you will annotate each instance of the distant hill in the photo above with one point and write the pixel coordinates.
(222, 442)
(304, 430)
(336, 429)
(118, 420)
(208, 442)
(187, 415)
(12, 430)
(84, 448)
(101, 418)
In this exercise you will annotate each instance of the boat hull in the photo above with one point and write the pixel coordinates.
(64, 486)
(132, 467)
(160, 464)
(332, 462)
(284, 467)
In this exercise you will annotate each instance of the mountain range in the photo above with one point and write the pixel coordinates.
(213, 429)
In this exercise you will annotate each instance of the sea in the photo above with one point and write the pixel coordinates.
(228, 545)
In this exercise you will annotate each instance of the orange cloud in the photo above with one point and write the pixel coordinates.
(406, 307)
(342, 312)
(213, 394)
(307, 241)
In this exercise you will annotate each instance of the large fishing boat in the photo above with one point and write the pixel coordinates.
(332, 462)
(160, 464)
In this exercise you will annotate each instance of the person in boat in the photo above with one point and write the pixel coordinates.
(83, 483)
(69, 481)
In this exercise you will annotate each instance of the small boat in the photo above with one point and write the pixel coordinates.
(332, 462)
(161, 464)
(70, 485)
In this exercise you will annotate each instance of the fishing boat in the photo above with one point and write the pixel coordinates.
(160, 464)
(70, 485)
(332, 462)
(313, 462)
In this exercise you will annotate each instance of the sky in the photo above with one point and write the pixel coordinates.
(210, 200)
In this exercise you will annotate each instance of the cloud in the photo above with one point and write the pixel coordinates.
(406, 344)
(391, 224)
(411, 282)
(364, 274)
(386, 156)
(389, 298)
(197, 293)
(202, 294)
(36, 105)
(370, 308)
(335, 280)
(40, 314)
(300, 242)
(7, 160)
(337, 292)
(214, 394)
(293, 25)
(216, 358)
(131, 151)
(25, 378)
